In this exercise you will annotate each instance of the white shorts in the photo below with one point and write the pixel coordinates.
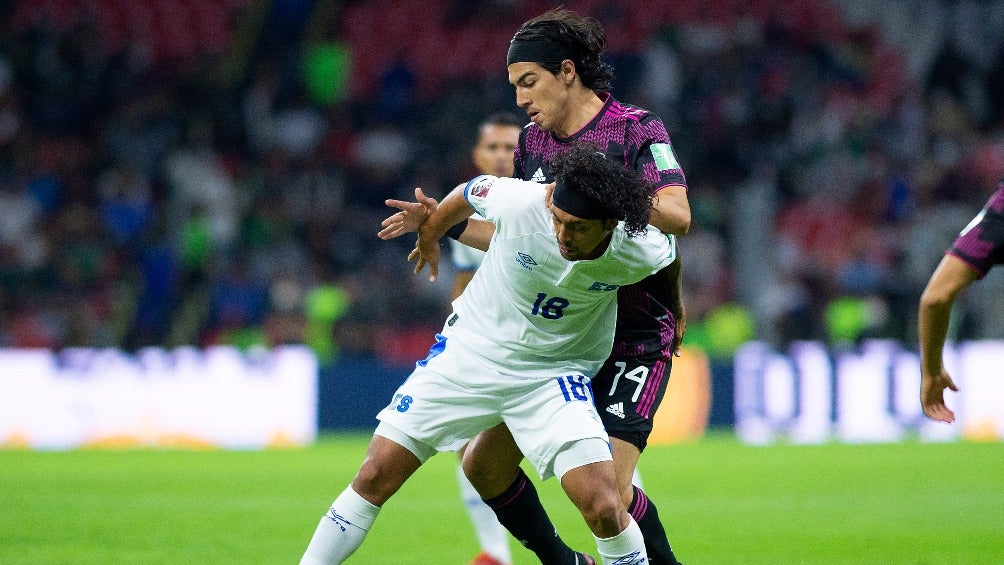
(452, 395)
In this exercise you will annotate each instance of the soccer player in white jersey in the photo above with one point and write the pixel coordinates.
(523, 340)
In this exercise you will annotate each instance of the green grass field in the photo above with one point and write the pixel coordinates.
(723, 503)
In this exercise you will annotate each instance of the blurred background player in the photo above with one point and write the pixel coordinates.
(979, 247)
(492, 155)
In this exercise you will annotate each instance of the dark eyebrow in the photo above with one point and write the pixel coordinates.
(523, 76)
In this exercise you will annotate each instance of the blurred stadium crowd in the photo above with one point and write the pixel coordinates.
(200, 172)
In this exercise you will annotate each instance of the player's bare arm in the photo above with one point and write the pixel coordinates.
(671, 210)
(413, 214)
(950, 278)
(451, 211)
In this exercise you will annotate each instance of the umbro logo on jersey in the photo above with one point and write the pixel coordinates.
(617, 409)
(538, 176)
(525, 260)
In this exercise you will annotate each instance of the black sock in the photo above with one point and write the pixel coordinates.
(656, 542)
(520, 511)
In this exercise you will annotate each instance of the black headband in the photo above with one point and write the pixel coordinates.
(536, 51)
(579, 204)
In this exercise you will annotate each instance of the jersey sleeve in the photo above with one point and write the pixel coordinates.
(661, 249)
(504, 201)
(645, 254)
(651, 153)
(981, 243)
(479, 191)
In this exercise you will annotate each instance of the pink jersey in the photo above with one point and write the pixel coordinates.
(981, 243)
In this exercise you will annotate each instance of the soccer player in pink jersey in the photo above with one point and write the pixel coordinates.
(979, 247)
(554, 63)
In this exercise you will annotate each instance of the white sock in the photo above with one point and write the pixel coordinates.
(626, 548)
(341, 530)
(492, 536)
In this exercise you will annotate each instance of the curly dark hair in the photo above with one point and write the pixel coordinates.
(586, 170)
(582, 35)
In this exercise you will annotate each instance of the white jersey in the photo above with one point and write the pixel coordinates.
(528, 310)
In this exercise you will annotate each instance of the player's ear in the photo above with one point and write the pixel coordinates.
(548, 193)
(609, 225)
(568, 71)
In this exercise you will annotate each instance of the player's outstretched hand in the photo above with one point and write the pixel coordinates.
(411, 216)
(932, 396)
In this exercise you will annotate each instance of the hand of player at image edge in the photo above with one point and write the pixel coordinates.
(932, 396)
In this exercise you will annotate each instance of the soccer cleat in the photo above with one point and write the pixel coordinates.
(485, 559)
(584, 559)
